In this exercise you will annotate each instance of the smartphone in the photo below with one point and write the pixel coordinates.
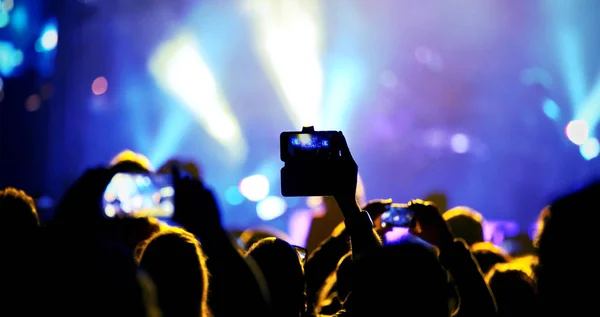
(398, 215)
(301, 253)
(140, 195)
(309, 165)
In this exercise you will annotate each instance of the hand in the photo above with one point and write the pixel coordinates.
(195, 207)
(346, 179)
(189, 168)
(83, 200)
(430, 226)
(376, 208)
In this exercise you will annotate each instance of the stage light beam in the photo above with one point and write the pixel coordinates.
(180, 69)
(288, 40)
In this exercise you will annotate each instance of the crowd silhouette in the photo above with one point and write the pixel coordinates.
(82, 263)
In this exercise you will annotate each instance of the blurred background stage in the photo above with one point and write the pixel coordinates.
(494, 103)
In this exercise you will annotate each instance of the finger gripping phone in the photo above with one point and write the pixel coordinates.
(310, 167)
(140, 195)
(397, 215)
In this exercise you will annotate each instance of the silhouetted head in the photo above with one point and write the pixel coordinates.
(527, 264)
(465, 223)
(187, 167)
(513, 290)
(566, 266)
(175, 262)
(251, 236)
(283, 273)
(344, 276)
(403, 279)
(130, 162)
(519, 245)
(17, 210)
(133, 231)
(21, 262)
(488, 255)
(439, 199)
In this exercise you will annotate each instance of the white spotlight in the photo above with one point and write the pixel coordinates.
(255, 187)
(270, 208)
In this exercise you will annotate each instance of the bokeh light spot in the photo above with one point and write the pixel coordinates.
(4, 19)
(99, 86)
(551, 109)
(49, 40)
(577, 131)
(270, 208)
(255, 187)
(233, 196)
(33, 103)
(459, 143)
(20, 20)
(590, 149)
(7, 5)
(314, 201)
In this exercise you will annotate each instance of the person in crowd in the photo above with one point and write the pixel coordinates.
(419, 278)
(404, 279)
(513, 290)
(174, 260)
(82, 203)
(19, 241)
(188, 167)
(488, 255)
(82, 262)
(133, 231)
(128, 161)
(249, 237)
(236, 284)
(519, 245)
(323, 261)
(283, 274)
(568, 239)
(526, 263)
(18, 209)
(327, 301)
(336, 288)
(439, 199)
(344, 277)
(465, 223)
